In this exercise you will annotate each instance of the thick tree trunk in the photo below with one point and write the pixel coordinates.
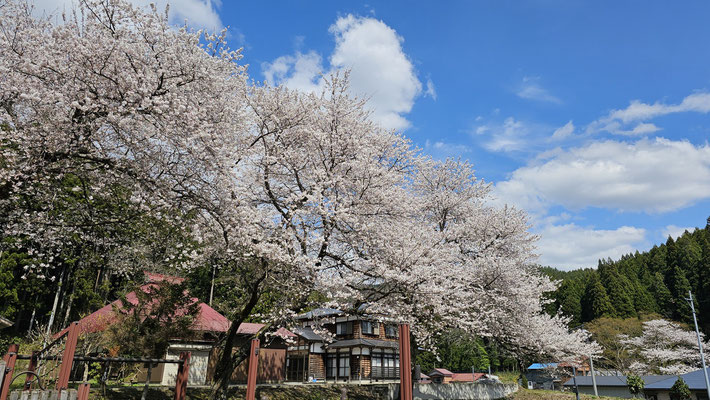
(227, 362)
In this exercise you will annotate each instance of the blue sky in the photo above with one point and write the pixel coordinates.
(593, 116)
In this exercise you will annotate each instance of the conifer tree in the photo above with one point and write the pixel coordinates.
(679, 289)
(619, 291)
(596, 301)
(662, 295)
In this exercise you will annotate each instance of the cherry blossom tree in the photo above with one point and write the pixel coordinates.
(294, 191)
(665, 347)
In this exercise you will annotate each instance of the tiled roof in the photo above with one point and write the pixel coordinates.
(363, 343)
(320, 313)
(206, 320)
(695, 381)
(619, 380)
(308, 334)
(440, 372)
(467, 376)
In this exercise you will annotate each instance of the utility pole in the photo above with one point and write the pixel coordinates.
(594, 378)
(700, 344)
(574, 376)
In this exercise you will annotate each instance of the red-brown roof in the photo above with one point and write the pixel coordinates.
(467, 377)
(207, 319)
(440, 372)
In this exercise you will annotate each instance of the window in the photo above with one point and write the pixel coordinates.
(384, 365)
(344, 365)
(338, 365)
(344, 328)
(391, 331)
(370, 328)
(331, 370)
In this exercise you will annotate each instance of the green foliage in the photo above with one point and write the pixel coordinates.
(595, 302)
(606, 331)
(145, 326)
(680, 390)
(635, 384)
(640, 283)
(459, 351)
(524, 381)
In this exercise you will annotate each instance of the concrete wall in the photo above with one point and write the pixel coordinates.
(464, 391)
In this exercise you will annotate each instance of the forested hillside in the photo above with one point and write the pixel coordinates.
(652, 282)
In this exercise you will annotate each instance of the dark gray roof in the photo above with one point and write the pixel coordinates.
(308, 334)
(614, 380)
(320, 313)
(4, 323)
(363, 343)
(695, 381)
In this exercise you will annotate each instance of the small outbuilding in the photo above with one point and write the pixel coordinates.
(695, 380)
(611, 386)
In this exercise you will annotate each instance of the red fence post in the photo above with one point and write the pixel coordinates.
(251, 375)
(31, 368)
(405, 364)
(83, 392)
(182, 376)
(68, 357)
(9, 360)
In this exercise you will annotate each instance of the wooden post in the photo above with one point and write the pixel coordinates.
(68, 357)
(405, 364)
(251, 375)
(83, 392)
(182, 376)
(9, 360)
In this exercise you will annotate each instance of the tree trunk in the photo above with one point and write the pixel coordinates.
(56, 302)
(227, 363)
(147, 382)
(67, 314)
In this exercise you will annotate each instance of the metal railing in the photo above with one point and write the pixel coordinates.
(384, 372)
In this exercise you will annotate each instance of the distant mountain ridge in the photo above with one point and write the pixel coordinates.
(651, 282)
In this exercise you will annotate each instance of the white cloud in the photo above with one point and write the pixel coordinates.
(653, 175)
(638, 111)
(300, 71)
(531, 89)
(198, 13)
(570, 246)
(380, 70)
(676, 231)
(563, 132)
(430, 89)
(510, 136)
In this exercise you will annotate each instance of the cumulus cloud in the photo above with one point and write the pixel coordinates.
(531, 89)
(637, 111)
(570, 246)
(380, 70)
(676, 231)
(299, 71)
(653, 175)
(197, 13)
